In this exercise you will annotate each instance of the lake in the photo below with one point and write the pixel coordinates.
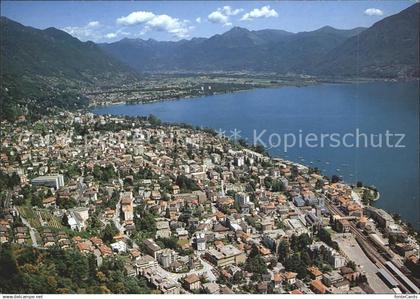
(372, 108)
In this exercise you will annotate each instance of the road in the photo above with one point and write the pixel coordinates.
(207, 269)
(352, 250)
(117, 219)
(31, 232)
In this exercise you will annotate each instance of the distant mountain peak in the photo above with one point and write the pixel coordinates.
(327, 28)
(57, 33)
(236, 30)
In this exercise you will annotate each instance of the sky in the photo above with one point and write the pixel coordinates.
(109, 21)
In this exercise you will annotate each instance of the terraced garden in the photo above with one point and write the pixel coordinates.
(40, 217)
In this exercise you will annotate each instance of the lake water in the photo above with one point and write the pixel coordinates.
(372, 108)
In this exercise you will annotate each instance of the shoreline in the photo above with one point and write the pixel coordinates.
(351, 81)
(316, 81)
(350, 184)
(193, 97)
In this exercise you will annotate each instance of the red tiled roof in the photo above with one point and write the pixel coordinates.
(190, 279)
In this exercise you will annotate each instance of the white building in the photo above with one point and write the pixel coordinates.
(77, 218)
(166, 257)
(119, 246)
(127, 205)
(334, 257)
(200, 241)
(242, 198)
(55, 181)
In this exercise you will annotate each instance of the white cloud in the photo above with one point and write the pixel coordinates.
(176, 27)
(373, 12)
(217, 17)
(263, 12)
(86, 32)
(198, 20)
(93, 24)
(116, 34)
(166, 23)
(95, 31)
(111, 35)
(136, 17)
(228, 11)
(222, 15)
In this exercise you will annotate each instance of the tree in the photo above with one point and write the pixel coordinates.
(292, 263)
(14, 180)
(145, 173)
(294, 171)
(283, 250)
(154, 120)
(367, 196)
(300, 243)
(335, 179)
(256, 265)
(230, 193)
(268, 182)
(36, 200)
(66, 203)
(242, 142)
(109, 232)
(145, 224)
(19, 200)
(30, 270)
(186, 184)
(104, 174)
(112, 202)
(325, 236)
(351, 265)
(65, 220)
(392, 240)
(169, 242)
(94, 224)
(397, 217)
(259, 148)
(319, 184)
(9, 181)
(9, 273)
(278, 186)
(306, 259)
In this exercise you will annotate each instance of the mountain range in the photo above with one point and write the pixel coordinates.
(37, 63)
(26, 51)
(44, 68)
(389, 48)
(238, 49)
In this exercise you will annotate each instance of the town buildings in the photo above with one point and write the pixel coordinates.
(184, 208)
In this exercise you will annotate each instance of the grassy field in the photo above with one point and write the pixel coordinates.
(29, 214)
(40, 217)
(47, 217)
